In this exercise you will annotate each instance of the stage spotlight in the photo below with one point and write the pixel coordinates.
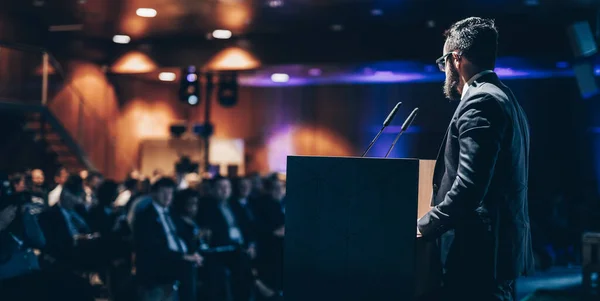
(167, 76)
(146, 12)
(189, 90)
(280, 77)
(228, 89)
(121, 39)
(193, 100)
(222, 34)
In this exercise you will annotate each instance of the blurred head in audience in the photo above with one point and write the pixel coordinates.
(72, 192)
(93, 180)
(144, 186)
(61, 176)
(222, 189)
(162, 191)
(186, 203)
(243, 188)
(131, 184)
(37, 176)
(17, 182)
(205, 188)
(257, 183)
(275, 188)
(107, 193)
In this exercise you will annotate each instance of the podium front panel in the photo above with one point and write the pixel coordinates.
(350, 228)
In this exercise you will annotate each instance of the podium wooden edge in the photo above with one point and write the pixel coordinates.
(426, 168)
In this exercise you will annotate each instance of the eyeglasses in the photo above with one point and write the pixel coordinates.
(441, 62)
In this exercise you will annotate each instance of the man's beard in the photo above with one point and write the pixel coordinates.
(451, 84)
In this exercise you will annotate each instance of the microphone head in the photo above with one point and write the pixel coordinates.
(409, 120)
(390, 117)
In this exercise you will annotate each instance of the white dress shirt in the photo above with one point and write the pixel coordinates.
(123, 198)
(472, 80)
(54, 195)
(175, 243)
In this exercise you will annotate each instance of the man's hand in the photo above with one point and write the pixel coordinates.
(7, 216)
(194, 258)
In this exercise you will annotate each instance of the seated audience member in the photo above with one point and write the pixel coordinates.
(92, 182)
(38, 187)
(20, 233)
(67, 232)
(71, 248)
(244, 204)
(162, 257)
(131, 186)
(185, 210)
(59, 178)
(112, 225)
(228, 229)
(257, 185)
(271, 229)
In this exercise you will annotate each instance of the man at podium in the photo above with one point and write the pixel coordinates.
(480, 208)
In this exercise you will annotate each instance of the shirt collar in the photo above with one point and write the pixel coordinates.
(473, 79)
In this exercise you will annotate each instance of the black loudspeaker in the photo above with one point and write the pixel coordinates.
(586, 79)
(582, 40)
(228, 89)
(583, 45)
(177, 130)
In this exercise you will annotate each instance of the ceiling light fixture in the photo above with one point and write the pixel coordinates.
(121, 39)
(275, 3)
(167, 76)
(146, 12)
(280, 77)
(222, 34)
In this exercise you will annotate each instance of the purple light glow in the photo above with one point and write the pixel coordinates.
(314, 72)
(191, 77)
(509, 72)
(279, 146)
(394, 72)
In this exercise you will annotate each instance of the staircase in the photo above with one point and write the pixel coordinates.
(32, 137)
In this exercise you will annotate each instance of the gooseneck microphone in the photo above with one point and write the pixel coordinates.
(405, 126)
(387, 122)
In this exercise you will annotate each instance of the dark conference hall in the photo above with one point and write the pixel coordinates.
(294, 150)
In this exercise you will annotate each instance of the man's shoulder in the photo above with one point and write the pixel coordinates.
(486, 94)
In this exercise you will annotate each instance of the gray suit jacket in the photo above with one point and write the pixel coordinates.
(480, 185)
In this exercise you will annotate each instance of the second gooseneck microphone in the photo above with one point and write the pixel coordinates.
(405, 126)
(387, 122)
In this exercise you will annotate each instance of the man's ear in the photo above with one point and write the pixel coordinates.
(456, 61)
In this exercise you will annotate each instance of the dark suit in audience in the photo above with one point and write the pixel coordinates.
(69, 250)
(157, 266)
(222, 234)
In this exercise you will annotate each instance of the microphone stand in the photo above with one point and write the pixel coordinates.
(394, 143)
(373, 142)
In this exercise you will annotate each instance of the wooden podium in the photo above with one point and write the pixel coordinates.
(351, 229)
